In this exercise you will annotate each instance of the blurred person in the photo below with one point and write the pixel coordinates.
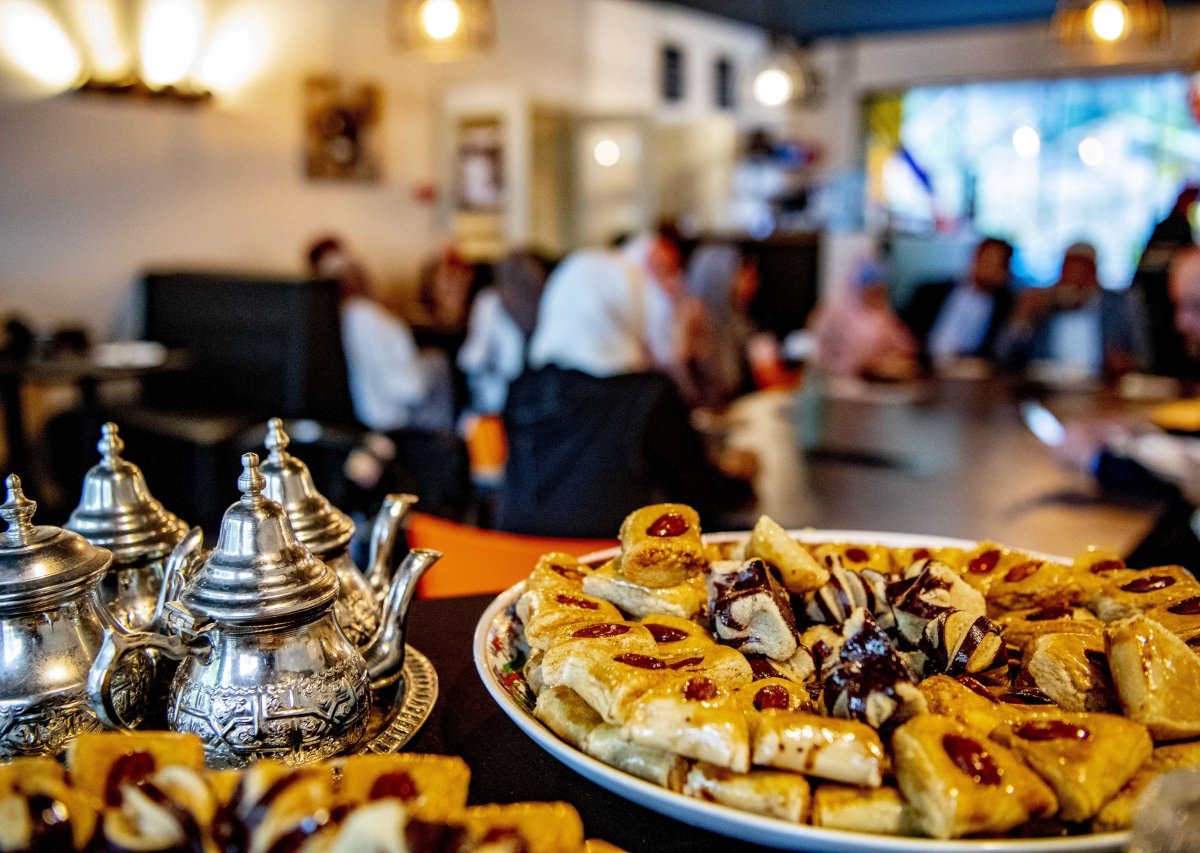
(721, 284)
(859, 336)
(657, 256)
(1074, 322)
(446, 284)
(1150, 286)
(593, 432)
(396, 389)
(963, 318)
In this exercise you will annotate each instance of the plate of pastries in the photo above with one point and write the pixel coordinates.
(151, 792)
(855, 691)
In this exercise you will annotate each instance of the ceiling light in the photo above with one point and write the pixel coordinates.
(35, 41)
(170, 40)
(1110, 22)
(784, 75)
(1091, 151)
(772, 87)
(1026, 142)
(442, 30)
(607, 152)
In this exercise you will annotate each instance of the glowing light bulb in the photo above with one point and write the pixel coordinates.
(107, 54)
(607, 152)
(772, 87)
(1091, 151)
(35, 41)
(170, 42)
(238, 49)
(441, 18)
(1026, 142)
(1108, 20)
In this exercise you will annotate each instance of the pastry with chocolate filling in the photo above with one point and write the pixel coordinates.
(961, 643)
(431, 786)
(877, 558)
(1157, 677)
(1072, 669)
(614, 638)
(961, 783)
(880, 811)
(869, 681)
(1033, 582)
(547, 613)
(927, 590)
(99, 762)
(798, 569)
(685, 599)
(676, 636)
(272, 802)
(846, 590)
(766, 792)
(694, 717)
(749, 609)
(819, 646)
(840, 750)
(172, 810)
(1117, 813)
(1132, 593)
(661, 545)
(39, 812)
(1085, 758)
(1022, 627)
(558, 571)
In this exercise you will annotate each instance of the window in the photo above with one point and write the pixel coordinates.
(672, 74)
(723, 83)
(1042, 163)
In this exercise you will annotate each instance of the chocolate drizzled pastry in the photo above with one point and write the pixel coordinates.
(846, 590)
(750, 610)
(961, 643)
(928, 590)
(869, 681)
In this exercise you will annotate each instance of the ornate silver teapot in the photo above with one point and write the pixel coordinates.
(327, 531)
(266, 670)
(116, 511)
(52, 624)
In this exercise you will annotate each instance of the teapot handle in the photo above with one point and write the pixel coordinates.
(118, 643)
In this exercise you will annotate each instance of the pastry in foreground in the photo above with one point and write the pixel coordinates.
(661, 545)
(840, 750)
(1085, 758)
(868, 681)
(961, 783)
(1157, 677)
(1072, 669)
(766, 792)
(749, 609)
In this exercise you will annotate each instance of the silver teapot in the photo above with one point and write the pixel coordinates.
(327, 532)
(266, 671)
(116, 511)
(52, 624)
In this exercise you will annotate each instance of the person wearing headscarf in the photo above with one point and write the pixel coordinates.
(501, 323)
(721, 283)
(859, 336)
(593, 431)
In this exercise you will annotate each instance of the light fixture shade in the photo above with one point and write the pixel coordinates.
(1109, 22)
(442, 30)
(784, 76)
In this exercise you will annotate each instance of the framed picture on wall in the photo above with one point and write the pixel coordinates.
(479, 166)
(341, 130)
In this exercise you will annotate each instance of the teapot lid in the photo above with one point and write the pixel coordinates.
(259, 572)
(116, 510)
(41, 564)
(318, 524)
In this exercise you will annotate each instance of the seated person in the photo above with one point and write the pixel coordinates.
(395, 388)
(721, 284)
(963, 318)
(1166, 351)
(858, 336)
(592, 433)
(1074, 322)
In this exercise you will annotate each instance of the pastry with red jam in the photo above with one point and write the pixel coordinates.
(727, 667)
(558, 571)
(880, 811)
(1033, 582)
(608, 682)
(799, 571)
(676, 636)
(613, 638)
(1022, 627)
(773, 694)
(661, 545)
(838, 750)
(855, 557)
(847, 590)
(685, 599)
(869, 681)
(772, 793)
(971, 702)
(749, 609)
(1085, 758)
(548, 613)
(987, 561)
(928, 589)
(1132, 593)
(432, 786)
(1157, 677)
(1180, 617)
(1072, 669)
(959, 782)
(693, 716)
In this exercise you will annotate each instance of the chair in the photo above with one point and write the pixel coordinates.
(479, 562)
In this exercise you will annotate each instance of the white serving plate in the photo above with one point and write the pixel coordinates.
(492, 652)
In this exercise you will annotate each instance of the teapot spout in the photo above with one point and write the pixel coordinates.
(385, 652)
(384, 532)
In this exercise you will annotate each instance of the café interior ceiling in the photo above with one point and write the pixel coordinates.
(825, 18)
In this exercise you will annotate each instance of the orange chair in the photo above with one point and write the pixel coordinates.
(482, 561)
